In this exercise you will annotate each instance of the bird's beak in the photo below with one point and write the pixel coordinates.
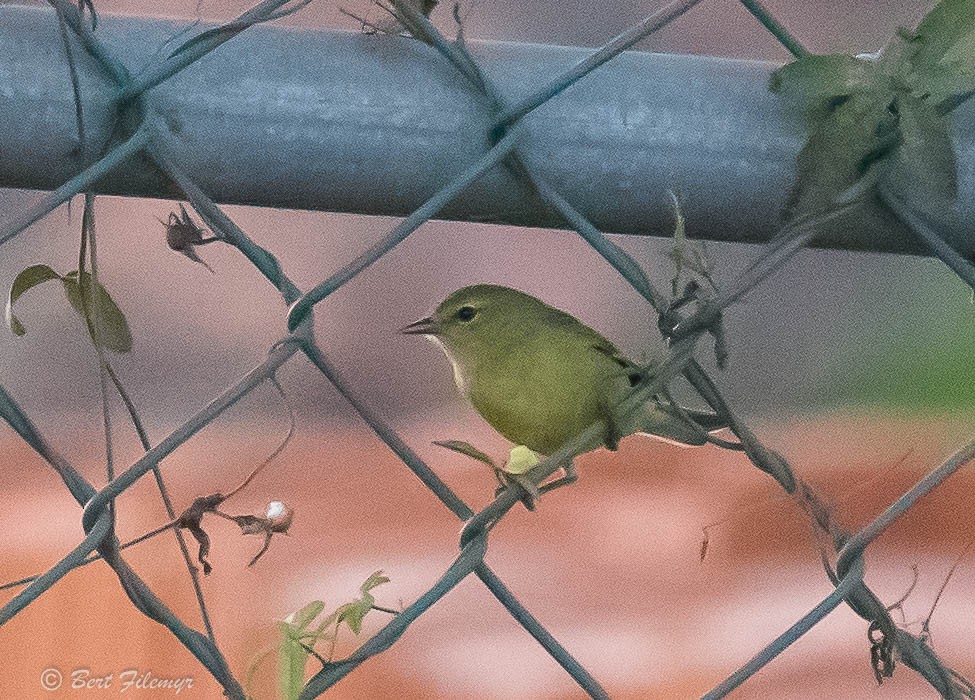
(425, 326)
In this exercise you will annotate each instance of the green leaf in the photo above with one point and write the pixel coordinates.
(353, 613)
(465, 448)
(27, 278)
(300, 619)
(252, 667)
(817, 83)
(113, 328)
(939, 83)
(949, 24)
(840, 149)
(326, 624)
(292, 658)
(375, 579)
(923, 167)
(962, 52)
(943, 60)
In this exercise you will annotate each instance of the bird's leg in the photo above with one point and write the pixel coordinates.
(531, 491)
(520, 462)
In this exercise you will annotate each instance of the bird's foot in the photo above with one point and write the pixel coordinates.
(570, 477)
(529, 489)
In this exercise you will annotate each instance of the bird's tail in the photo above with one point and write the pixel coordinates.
(665, 422)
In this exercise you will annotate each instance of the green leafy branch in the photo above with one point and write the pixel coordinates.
(299, 634)
(883, 118)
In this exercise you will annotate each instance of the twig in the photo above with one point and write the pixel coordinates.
(292, 424)
(926, 627)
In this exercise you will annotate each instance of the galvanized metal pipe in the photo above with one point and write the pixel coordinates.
(340, 121)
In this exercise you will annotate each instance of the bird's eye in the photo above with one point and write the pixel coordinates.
(466, 313)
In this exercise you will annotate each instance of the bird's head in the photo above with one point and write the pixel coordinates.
(479, 318)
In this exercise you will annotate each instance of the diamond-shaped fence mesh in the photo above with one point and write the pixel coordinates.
(143, 133)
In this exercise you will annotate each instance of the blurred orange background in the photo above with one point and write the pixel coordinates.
(611, 566)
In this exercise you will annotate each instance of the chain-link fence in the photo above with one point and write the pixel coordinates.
(141, 130)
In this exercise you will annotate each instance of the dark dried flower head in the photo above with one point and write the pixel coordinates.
(183, 235)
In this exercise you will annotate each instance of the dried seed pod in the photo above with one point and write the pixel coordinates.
(279, 515)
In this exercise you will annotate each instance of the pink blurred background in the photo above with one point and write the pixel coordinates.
(611, 566)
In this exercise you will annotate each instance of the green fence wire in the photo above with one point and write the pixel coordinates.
(141, 131)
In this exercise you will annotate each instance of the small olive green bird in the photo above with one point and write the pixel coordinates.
(540, 377)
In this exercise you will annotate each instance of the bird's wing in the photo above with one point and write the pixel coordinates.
(573, 325)
(707, 420)
(627, 367)
(658, 417)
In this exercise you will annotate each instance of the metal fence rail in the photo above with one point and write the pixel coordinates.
(500, 148)
(367, 126)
